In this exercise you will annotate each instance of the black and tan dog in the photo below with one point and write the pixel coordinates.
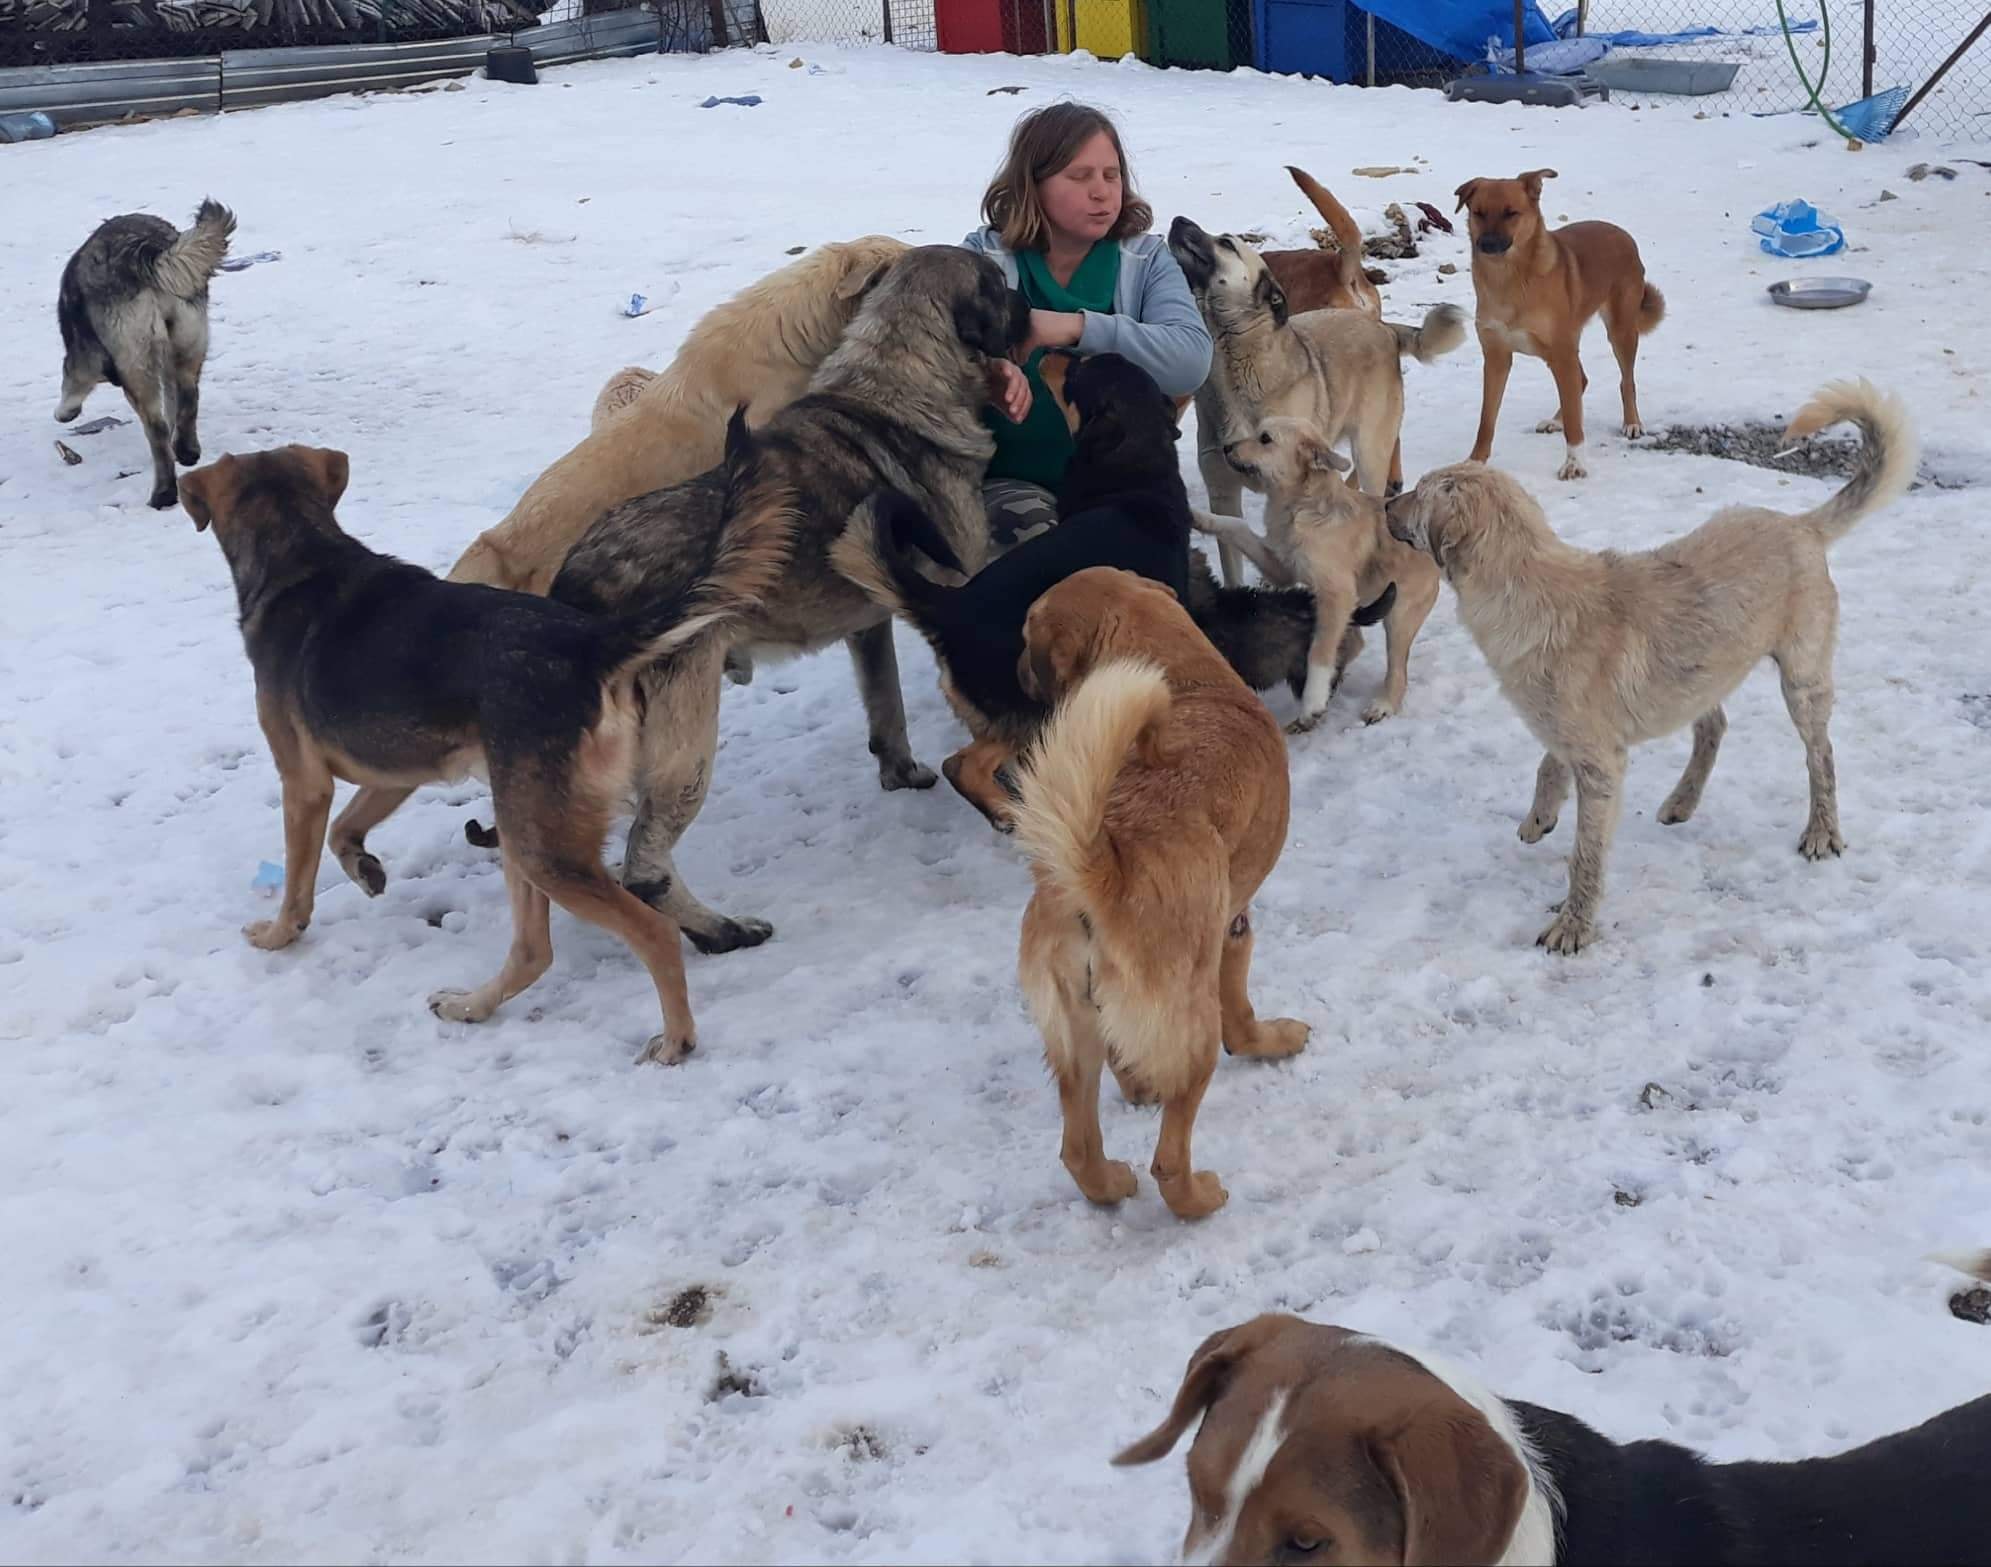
(375, 672)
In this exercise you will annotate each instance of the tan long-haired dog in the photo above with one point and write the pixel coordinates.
(1537, 288)
(758, 350)
(1154, 806)
(1599, 652)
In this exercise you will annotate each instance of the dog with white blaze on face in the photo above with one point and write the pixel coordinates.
(1323, 1445)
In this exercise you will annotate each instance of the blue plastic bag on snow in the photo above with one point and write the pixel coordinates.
(1797, 229)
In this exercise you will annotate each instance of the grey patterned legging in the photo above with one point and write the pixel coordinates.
(1017, 510)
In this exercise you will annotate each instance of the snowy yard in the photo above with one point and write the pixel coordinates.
(297, 1273)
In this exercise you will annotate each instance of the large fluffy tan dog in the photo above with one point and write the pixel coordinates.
(1153, 808)
(758, 349)
(1342, 369)
(1601, 651)
(1537, 288)
(1330, 536)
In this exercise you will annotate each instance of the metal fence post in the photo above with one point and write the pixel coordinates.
(1867, 56)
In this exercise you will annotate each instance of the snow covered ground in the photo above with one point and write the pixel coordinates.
(295, 1272)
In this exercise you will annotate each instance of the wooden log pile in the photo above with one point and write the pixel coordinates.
(364, 19)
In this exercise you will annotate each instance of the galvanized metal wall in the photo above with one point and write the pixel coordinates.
(76, 95)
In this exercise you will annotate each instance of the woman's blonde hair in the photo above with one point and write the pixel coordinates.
(1044, 142)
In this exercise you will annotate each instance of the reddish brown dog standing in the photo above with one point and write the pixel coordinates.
(1537, 288)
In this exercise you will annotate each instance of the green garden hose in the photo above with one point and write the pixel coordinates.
(1825, 71)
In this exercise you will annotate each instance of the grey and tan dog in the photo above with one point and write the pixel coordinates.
(1599, 652)
(897, 405)
(133, 312)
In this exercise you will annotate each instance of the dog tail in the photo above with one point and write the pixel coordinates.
(184, 267)
(1977, 1264)
(1061, 815)
(1347, 235)
(875, 552)
(744, 562)
(1888, 453)
(1443, 329)
(1651, 309)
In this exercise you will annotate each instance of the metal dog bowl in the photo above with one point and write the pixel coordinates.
(1820, 293)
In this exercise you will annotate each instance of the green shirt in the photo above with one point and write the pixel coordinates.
(1039, 448)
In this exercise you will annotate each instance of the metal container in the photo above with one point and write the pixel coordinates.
(1691, 78)
(1820, 293)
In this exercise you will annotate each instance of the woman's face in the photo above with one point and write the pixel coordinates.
(1082, 200)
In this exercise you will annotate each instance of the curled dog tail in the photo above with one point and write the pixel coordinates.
(1060, 819)
(183, 268)
(1651, 309)
(1443, 329)
(875, 552)
(1888, 453)
(744, 561)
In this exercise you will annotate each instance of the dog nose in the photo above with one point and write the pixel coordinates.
(1496, 244)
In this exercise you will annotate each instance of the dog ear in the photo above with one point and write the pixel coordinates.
(1531, 182)
(1203, 1381)
(1460, 1488)
(1323, 458)
(329, 470)
(1272, 297)
(859, 281)
(1465, 193)
(194, 494)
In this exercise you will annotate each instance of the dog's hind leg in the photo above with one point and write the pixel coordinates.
(1414, 601)
(1621, 322)
(364, 812)
(1686, 796)
(1190, 1193)
(1807, 682)
(877, 662)
(1244, 1033)
(307, 801)
(1053, 970)
(680, 736)
(1599, 796)
(149, 390)
(187, 353)
(530, 956)
(1551, 789)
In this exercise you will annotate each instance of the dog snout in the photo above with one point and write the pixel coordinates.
(1396, 517)
(1495, 244)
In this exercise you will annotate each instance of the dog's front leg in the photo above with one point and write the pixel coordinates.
(1496, 364)
(307, 802)
(1222, 481)
(1569, 383)
(1551, 789)
(1599, 793)
(877, 662)
(1235, 534)
(1334, 602)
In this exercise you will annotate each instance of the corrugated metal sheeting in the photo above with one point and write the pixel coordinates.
(74, 95)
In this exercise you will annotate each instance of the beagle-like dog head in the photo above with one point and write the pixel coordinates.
(1322, 1445)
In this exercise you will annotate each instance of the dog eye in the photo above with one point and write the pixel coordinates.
(1509, 213)
(1265, 440)
(1303, 1544)
(1226, 243)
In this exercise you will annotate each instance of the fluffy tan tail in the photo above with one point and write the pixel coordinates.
(1888, 453)
(184, 267)
(1651, 309)
(1070, 774)
(1443, 329)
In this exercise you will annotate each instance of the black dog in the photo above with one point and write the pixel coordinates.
(1122, 504)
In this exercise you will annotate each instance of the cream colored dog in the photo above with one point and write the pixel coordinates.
(1601, 651)
(1327, 534)
(758, 349)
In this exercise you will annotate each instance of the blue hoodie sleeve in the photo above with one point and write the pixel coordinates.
(1165, 335)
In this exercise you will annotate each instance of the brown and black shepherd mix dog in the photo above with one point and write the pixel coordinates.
(1537, 288)
(1153, 807)
(375, 672)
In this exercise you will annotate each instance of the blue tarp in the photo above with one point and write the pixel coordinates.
(1460, 28)
(1565, 27)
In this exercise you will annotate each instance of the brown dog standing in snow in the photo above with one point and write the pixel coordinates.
(1537, 288)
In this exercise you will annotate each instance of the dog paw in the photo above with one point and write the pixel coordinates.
(904, 773)
(1377, 711)
(1305, 723)
(1567, 934)
(165, 498)
(1534, 829)
(1634, 431)
(1274, 1039)
(1820, 842)
(272, 935)
(663, 1050)
(740, 667)
(729, 936)
(1675, 811)
(1113, 1182)
(458, 1006)
(1550, 426)
(1572, 468)
(365, 872)
(186, 453)
(1196, 1197)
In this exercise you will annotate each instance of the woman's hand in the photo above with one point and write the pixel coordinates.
(1009, 389)
(1052, 329)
